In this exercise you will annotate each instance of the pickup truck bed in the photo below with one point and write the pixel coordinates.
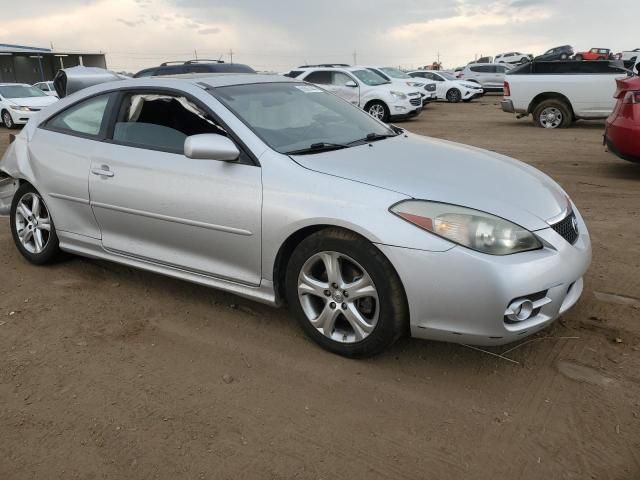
(559, 93)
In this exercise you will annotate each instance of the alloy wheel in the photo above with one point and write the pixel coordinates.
(33, 223)
(338, 297)
(377, 111)
(454, 95)
(551, 117)
(7, 120)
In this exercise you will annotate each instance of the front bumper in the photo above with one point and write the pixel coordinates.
(21, 117)
(472, 94)
(429, 97)
(461, 296)
(403, 112)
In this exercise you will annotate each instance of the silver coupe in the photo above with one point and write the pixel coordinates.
(278, 191)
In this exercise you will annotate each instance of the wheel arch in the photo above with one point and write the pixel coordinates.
(294, 239)
(541, 97)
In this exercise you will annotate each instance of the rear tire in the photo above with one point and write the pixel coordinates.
(378, 110)
(552, 113)
(454, 95)
(32, 227)
(358, 311)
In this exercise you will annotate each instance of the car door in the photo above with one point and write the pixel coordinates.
(346, 87)
(155, 204)
(441, 87)
(61, 150)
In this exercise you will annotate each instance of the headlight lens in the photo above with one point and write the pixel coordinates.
(22, 109)
(398, 95)
(473, 229)
(415, 84)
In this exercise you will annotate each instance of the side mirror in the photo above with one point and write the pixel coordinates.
(210, 146)
(351, 84)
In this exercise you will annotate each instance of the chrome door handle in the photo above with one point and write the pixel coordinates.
(102, 172)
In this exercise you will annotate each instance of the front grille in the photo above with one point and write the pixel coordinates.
(431, 87)
(416, 102)
(567, 228)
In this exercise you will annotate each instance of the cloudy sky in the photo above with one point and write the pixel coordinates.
(279, 34)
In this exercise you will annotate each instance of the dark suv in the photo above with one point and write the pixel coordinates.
(194, 66)
(564, 52)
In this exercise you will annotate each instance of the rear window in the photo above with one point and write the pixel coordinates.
(293, 73)
(483, 68)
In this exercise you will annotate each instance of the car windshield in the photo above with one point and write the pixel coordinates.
(395, 73)
(370, 78)
(447, 75)
(294, 116)
(20, 91)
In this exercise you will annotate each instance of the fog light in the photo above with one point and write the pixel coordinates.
(520, 310)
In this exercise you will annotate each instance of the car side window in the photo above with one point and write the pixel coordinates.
(321, 77)
(341, 79)
(84, 118)
(500, 68)
(160, 122)
(437, 78)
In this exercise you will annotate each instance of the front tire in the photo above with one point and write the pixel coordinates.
(345, 294)
(454, 95)
(8, 120)
(378, 110)
(552, 114)
(32, 227)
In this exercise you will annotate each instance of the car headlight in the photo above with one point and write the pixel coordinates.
(398, 95)
(415, 84)
(473, 229)
(22, 109)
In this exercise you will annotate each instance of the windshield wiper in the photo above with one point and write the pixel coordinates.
(372, 137)
(318, 147)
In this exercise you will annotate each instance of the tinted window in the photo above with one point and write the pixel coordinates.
(85, 118)
(483, 69)
(321, 77)
(419, 75)
(196, 69)
(293, 74)
(500, 68)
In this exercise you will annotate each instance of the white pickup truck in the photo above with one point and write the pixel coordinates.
(559, 93)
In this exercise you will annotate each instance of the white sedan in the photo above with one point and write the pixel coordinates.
(47, 88)
(19, 102)
(449, 88)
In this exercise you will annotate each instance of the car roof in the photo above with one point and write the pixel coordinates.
(349, 68)
(9, 84)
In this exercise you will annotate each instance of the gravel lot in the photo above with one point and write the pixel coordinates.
(107, 372)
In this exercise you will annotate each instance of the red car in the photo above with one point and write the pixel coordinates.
(622, 133)
(595, 54)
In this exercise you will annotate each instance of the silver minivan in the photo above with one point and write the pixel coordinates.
(489, 75)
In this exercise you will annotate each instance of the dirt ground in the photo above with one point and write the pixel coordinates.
(107, 372)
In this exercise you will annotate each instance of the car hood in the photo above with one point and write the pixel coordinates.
(34, 101)
(442, 171)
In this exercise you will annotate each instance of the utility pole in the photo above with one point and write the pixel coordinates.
(195, 52)
(355, 57)
(231, 55)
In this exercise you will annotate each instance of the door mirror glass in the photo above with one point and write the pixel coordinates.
(351, 84)
(210, 146)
